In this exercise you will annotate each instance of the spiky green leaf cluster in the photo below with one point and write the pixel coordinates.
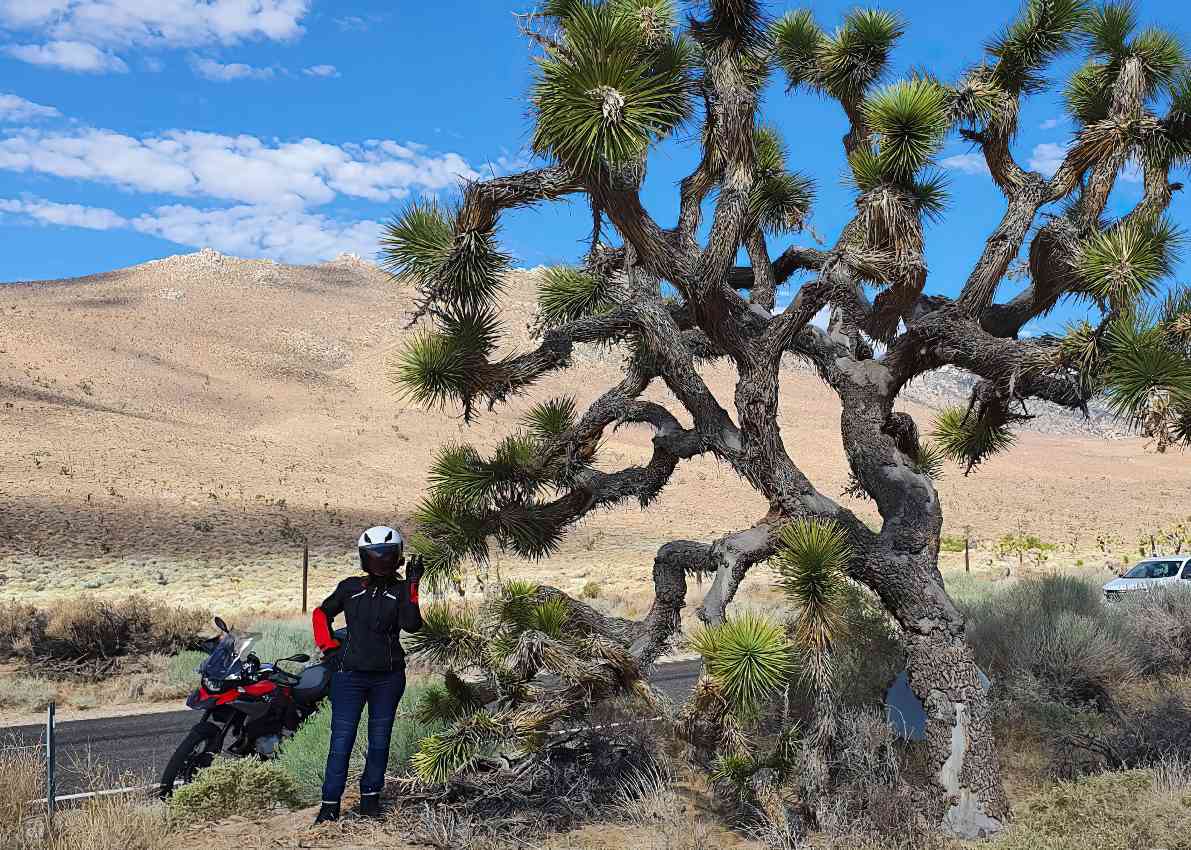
(464, 274)
(444, 754)
(1124, 264)
(465, 269)
(417, 241)
(474, 498)
(1045, 29)
(969, 439)
(1110, 33)
(620, 81)
(779, 200)
(1147, 372)
(930, 460)
(550, 419)
(566, 293)
(1089, 92)
(845, 64)
(910, 119)
(749, 657)
(811, 561)
(447, 702)
(450, 637)
(432, 371)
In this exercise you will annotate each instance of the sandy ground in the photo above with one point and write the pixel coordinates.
(176, 428)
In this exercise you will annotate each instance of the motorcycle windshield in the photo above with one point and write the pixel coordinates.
(227, 659)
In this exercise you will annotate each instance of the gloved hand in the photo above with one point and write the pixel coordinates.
(333, 657)
(415, 568)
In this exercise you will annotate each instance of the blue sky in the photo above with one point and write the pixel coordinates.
(291, 129)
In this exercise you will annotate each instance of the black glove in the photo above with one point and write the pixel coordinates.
(416, 568)
(333, 658)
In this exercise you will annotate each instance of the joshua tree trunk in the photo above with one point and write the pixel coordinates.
(673, 298)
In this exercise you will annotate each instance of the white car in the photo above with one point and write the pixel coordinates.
(1158, 571)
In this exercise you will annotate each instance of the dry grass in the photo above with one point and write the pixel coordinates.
(101, 823)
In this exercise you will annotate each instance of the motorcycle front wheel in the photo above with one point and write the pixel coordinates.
(197, 750)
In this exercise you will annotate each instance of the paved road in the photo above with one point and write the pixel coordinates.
(134, 749)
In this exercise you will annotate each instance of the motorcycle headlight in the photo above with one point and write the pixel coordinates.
(212, 685)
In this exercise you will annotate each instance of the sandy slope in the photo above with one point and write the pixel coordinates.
(172, 426)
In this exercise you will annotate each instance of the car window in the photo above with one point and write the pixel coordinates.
(1164, 569)
(1187, 570)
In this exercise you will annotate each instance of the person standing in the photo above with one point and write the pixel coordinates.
(378, 606)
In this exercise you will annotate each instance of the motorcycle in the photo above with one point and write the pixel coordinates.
(253, 704)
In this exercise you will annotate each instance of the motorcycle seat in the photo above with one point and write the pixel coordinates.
(313, 684)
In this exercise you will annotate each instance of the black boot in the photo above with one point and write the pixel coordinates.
(329, 812)
(370, 805)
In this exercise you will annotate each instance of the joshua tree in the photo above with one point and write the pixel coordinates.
(613, 78)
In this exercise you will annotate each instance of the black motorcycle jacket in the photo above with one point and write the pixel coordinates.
(377, 610)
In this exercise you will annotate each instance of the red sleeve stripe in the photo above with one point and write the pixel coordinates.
(322, 631)
(413, 592)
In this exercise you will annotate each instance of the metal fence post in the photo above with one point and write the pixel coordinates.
(305, 571)
(51, 759)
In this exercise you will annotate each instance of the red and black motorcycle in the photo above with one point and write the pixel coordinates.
(248, 706)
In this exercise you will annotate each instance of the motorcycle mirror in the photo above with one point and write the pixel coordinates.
(300, 658)
(222, 626)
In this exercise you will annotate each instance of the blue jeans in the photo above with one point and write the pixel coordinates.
(350, 691)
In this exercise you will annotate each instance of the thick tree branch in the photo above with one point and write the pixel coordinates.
(793, 259)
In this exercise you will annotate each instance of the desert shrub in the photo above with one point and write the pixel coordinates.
(304, 756)
(98, 628)
(591, 590)
(951, 543)
(235, 787)
(88, 628)
(869, 655)
(1159, 627)
(25, 692)
(1055, 633)
(21, 625)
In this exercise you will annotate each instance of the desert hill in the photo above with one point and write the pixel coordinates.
(184, 422)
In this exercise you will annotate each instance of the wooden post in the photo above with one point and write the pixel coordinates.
(51, 759)
(305, 572)
(967, 557)
(1153, 547)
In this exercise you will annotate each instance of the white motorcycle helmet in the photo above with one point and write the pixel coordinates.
(382, 550)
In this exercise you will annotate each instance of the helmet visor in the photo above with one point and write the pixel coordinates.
(382, 559)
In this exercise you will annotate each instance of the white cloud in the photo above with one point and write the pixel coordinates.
(321, 71)
(291, 236)
(157, 23)
(242, 169)
(1132, 172)
(1046, 158)
(69, 56)
(968, 163)
(1051, 123)
(68, 215)
(14, 108)
(81, 35)
(350, 23)
(218, 72)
